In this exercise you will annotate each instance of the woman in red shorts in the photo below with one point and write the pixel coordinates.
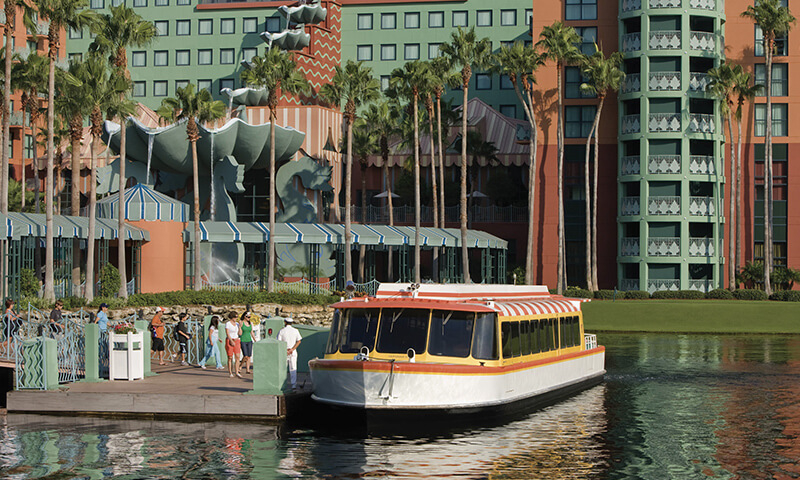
(233, 346)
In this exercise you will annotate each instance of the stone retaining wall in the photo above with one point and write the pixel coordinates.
(317, 315)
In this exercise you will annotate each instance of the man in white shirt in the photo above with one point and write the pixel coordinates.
(291, 336)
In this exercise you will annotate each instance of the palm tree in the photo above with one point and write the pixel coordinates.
(277, 72)
(364, 145)
(193, 107)
(30, 77)
(353, 85)
(465, 51)
(558, 43)
(411, 81)
(62, 15)
(442, 76)
(775, 21)
(520, 64)
(604, 74)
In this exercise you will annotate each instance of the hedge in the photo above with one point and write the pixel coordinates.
(748, 294)
(577, 292)
(636, 295)
(720, 294)
(786, 296)
(678, 295)
(609, 295)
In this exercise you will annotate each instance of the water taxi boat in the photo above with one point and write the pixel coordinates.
(455, 348)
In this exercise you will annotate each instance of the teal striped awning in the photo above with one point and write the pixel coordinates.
(144, 203)
(5, 226)
(319, 233)
(33, 224)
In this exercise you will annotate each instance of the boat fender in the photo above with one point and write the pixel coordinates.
(411, 355)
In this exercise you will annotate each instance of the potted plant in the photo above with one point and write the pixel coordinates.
(125, 353)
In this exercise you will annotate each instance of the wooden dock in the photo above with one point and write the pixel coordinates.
(175, 391)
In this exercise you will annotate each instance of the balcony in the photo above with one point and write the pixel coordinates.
(698, 82)
(405, 214)
(665, 3)
(664, 205)
(15, 119)
(665, 40)
(664, 123)
(631, 5)
(704, 286)
(631, 83)
(703, 41)
(632, 42)
(629, 207)
(701, 165)
(629, 284)
(701, 247)
(673, 284)
(663, 164)
(701, 123)
(663, 246)
(629, 247)
(701, 206)
(630, 124)
(630, 165)
(703, 4)
(664, 81)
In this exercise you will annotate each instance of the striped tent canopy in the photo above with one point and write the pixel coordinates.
(537, 307)
(33, 224)
(291, 233)
(5, 226)
(144, 203)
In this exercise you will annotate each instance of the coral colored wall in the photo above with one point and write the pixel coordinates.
(162, 257)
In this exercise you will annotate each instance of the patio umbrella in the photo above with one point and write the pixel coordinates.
(385, 194)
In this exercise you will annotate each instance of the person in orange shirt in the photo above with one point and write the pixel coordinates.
(157, 329)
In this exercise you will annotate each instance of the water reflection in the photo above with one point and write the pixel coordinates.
(672, 406)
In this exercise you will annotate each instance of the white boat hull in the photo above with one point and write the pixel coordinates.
(380, 385)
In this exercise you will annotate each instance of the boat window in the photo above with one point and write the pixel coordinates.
(563, 336)
(484, 342)
(505, 339)
(535, 336)
(549, 334)
(524, 337)
(358, 329)
(333, 336)
(451, 333)
(403, 328)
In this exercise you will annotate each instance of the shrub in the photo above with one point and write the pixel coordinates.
(749, 294)
(786, 296)
(720, 294)
(113, 302)
(577, 292)
(109, 281)
(211, 297)
(35, 302)
(73, 303)
(29, 284)
(609, 294)
(678, 295)
(637, 295)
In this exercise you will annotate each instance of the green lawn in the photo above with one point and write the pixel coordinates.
(692, 316)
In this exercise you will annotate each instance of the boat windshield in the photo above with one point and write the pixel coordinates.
(358, 327)
(451, 333)
(403, 328)
(333, 336)
(484, 342)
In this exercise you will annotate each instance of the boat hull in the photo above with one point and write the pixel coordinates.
(392, 386)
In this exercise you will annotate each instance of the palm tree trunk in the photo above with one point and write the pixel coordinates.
(464, 250)
(49, 287)
(435, 263)
(417, 250)
(123, 273)
(738, 181)
(22, 161)
(88, 291)
(196, 195)
(594, 193)
(362, 250)
(732, 210)
(75, 202)
(348, 213)
(768, 174)
(587, 195)
(561, 270)
(527, 105)
(441, 158)
(390, 263)
(272, 204)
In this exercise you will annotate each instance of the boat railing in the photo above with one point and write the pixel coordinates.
(590, 340)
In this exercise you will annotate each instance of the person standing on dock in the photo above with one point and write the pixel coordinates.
(212, 347)
(182, 336)
(290, 336)
(56, 326)
(101, 319)
(247, 341)
(157, 327)
(233, 345)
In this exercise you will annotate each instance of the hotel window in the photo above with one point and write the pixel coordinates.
(28, 146)
(411, 51)
(226, 83)
(412, 20)
(781, 44)
(505, 83)
(184, 2)
(160, 58)
(181, 84)
(483, 18)
(249, 53)
(528, 16)
(436, 20)
(578, 120)
(573, 79)
(509, 110)
(162, 3)
(183, 27)
(385, 82)
(388, 52)
(97, 4)
(139, 59)
(227, 26)
(588, 39)
(581, 10)
(182, 57)
(388, 21)
(483, 81)
(160, 88)
(204, 85)
(508, 18)
(139, 3)
(75, 57)
(365, 21)
(226, 56)
(250, 25)
(204, 57)
(460, 18)
(139, 89)
(780, 79)
(162, 28)
(205, 27)
(273, 24)
(780, 120)
(433, 50)
(75, 34)
(364, 53)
